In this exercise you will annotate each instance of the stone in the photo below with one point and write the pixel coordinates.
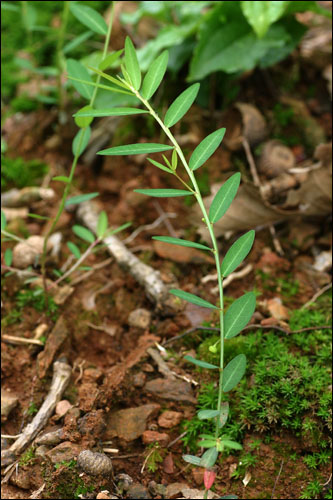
(149, 437)
(277, 309)
(92, 375)
(169, 419)
(198, 475)
(41, 451)
(50, 438)
(27, 252)
(123, 481)
(21, 479)
(139, 379)
(140, 318)
(129, 424)
(168, 465)
(65, 451)
(94, 464)
(174, 489)
(156, 489)
(138, 491)
(92, 424)
(8, 403)
(173, 390)
(62, 407)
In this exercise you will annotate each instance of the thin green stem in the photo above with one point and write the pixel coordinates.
(209, 225)
(59, 53)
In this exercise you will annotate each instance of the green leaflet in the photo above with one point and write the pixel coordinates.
(223, 198)
(8, 257)
(208, 459)
(89, 17)
(74, 249)
(233, 372)
(84, 233)
(239, 314)
(207, 414)
(81, 119)
(154, 75)
(207, 443)
(102, 224)
(206, 148)
(76, 71)
(224, 414)
(74, 200)
(182, 243)
(110, 59)
(78, 40)
(99, 86)
(159, 165)
(163, 193)
(109, 77)
(231, 444)
(80, 141)
(261, 15)
(202, 364)
(194, 299)
(109, 112)
(181, 105)
(192, 459)
(3, 220)
(135, 149)
(237, 253)
(132, 64)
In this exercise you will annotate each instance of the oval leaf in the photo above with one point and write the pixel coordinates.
(135, 149)
(61, 178)
(80, 141)
(84, 233)
(3, 220)
(209, 458)
(182, 243)
(223, 198)
(231, 444)
(110, 59)
(132, 64)
(237, 253)
(8, 257)
(82, 119)
(109, 112)
(206, 148)
(181, 105)
(89, 17)
(202, 364)
(159, 165)
(207, 414)
(233, 372)
(155, 75)
(194, 299)
(102, 224)
(239, 314)
(74, 200)
(206, 443)
(76, 70)
(163, 193)
(223, 414)
(191, 459)
(74, 249)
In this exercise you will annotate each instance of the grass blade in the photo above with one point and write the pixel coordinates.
(111, 112)
(182, 243)
(202, 364)
(163, 193)
(135, 149)
(194, 299)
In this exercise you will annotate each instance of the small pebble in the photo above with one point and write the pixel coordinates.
(149, 437)
(94, 464)
(138, 491)
(140, 318)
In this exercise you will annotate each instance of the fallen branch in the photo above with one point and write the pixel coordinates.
(316, 295)
(11, 339)
(21, 197)
(156, 290)
(61, 375)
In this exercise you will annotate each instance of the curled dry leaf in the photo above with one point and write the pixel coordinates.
(275, 159)
(254, 127)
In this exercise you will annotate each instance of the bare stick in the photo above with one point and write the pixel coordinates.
(162, 218)
(11, 339)
(316, 295)
(61, 376)
(278, 477)
(166, 221)
(162, 366)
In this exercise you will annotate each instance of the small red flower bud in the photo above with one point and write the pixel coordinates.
(209, 478)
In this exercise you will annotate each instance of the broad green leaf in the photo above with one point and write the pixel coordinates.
(206, 148)
(61, 178)
(223, 198)
(3, 220)
(231, 444)
(237, 253)
(135, 149)
(206, 443)
(202, 364)
(84, 233)
(99, 85)
(223, 414)
(131, 64)
(102, 224)
(8, 257)
(194, 299)
(207, 414)
(80, 141)
(78, 72)
(110, 59)
(182, 243)
(154, 75)
(89, 17)
(78, 40)
(192, 459)
(233, 372)
(83, 120)
(159, 165)
(109, 112)
(181, 105)
(163, 193)
(74, 200)
(261, 15)
(239, 314)
(110, 78)
(74, 249)
(209, 458)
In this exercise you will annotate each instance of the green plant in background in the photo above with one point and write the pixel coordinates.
(240, 312)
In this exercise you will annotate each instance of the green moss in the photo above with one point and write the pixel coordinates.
(28, 457)
(16, 172)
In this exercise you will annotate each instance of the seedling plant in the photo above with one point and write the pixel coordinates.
(240, 312)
